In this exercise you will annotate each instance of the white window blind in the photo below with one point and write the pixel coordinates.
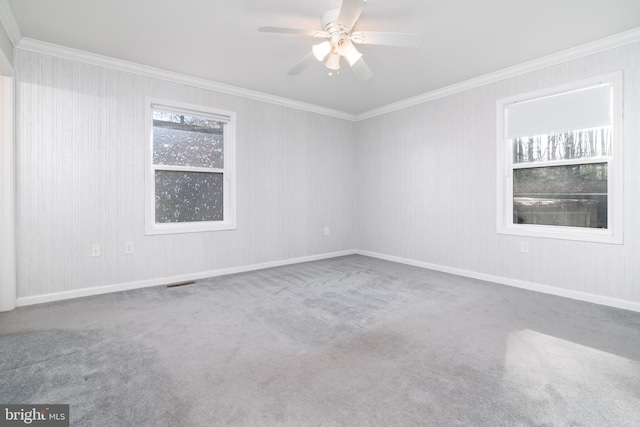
(582, 109)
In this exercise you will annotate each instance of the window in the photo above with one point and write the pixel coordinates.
(559, 159)
(190, 183)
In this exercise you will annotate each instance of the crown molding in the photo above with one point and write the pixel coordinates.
(9, 22)
(583, 50)
(147, 71)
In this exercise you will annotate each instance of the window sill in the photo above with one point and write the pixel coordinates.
(176, 228)
(594, 235)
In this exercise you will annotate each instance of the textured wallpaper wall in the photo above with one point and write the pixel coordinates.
(427, 187)
(80, 181)
(419, 183)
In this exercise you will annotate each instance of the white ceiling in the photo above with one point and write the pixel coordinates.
(218, 41)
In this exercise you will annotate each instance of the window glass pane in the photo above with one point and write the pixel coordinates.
(586, 143)
(574, 196)
(188, 196)
(182, 140)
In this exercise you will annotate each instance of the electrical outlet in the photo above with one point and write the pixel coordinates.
(95, 250)
(326, 231)
(524, 247)
(128, 248)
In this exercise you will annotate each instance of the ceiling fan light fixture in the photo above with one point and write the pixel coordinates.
(321, 50)
(337, 27)
(333, 63)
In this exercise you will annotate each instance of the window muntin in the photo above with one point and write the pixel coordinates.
(561, 169)
(190, 184)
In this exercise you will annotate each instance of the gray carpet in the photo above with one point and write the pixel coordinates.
(350, 341)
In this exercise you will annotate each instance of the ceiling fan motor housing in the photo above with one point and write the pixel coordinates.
(329, 24)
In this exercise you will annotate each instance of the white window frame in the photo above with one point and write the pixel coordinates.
(228, 118)
(613, 232)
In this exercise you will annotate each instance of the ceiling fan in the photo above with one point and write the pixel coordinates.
(338, 28)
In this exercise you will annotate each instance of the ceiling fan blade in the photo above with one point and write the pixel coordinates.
(350, 12)
(302, 65)
(283, 30)
(388, 39)
(361, 70)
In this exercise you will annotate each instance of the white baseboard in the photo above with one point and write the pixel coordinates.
(545, 289)
(98, 290)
